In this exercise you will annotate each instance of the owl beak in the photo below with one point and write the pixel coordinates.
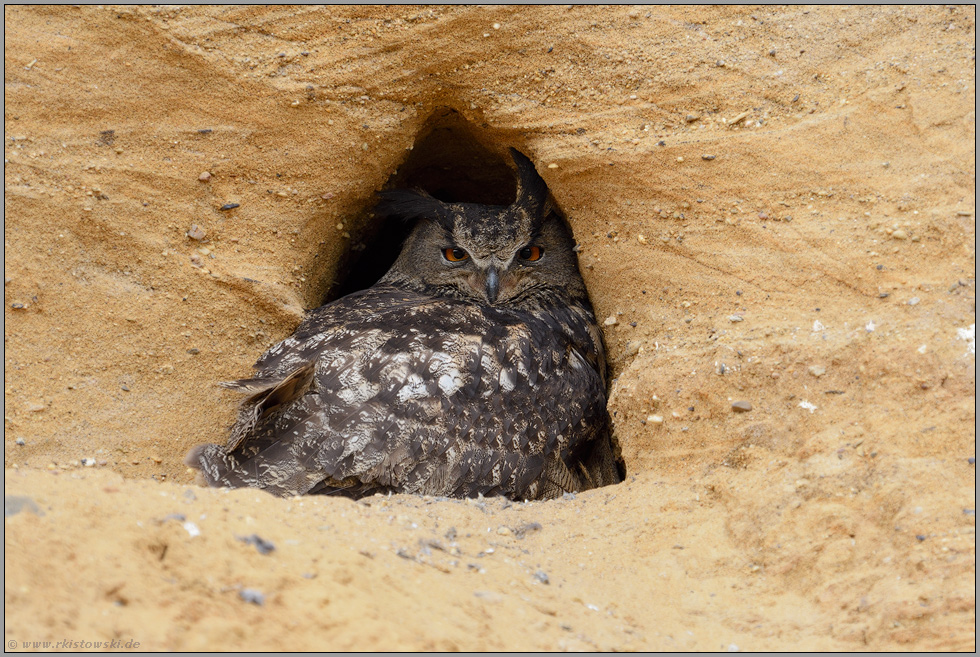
(492, 284)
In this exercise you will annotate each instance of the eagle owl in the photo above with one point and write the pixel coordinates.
(474, 366)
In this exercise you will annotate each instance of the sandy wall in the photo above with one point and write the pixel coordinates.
(775, 206)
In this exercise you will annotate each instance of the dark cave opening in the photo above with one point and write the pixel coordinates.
(449, 161)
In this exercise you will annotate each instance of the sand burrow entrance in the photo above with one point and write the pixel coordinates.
(452, 160)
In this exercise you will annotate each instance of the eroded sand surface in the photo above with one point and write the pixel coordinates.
(775, 206)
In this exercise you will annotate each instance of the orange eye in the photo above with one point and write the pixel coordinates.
(455, 255)
(531, 253)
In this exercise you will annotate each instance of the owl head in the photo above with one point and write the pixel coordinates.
(491, 254)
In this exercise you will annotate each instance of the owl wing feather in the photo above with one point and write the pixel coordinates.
(389, 390)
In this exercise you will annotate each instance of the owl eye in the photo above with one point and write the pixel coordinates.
(455, 255)
(531, 253)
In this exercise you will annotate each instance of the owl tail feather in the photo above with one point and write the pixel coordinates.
(267, 395)
(219, 468)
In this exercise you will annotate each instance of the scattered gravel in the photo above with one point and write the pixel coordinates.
(741, 407)
(228, 206)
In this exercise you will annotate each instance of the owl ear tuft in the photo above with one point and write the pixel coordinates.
(532, 191)
(412, 205)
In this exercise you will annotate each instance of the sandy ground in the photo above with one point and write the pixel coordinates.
(775, 206)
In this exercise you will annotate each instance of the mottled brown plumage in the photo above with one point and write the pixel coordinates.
(474, 366)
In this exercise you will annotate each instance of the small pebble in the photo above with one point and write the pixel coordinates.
(920, 537)
(521, 531)
(913, 301)
(504, 531)
(817, 370)
(229, 206)
(707, 157)
(900, 235)
(655, 419)
(20, 441)
(253, 596)
(735, 318)
(196, 233)
(14, 504)
(611, 321)
(691, 118)
(741, 406)
(88, 463)
(263, 546)
(972, 460)
(738, 119)
(204, 177)
(541, 576)
(641, 238)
